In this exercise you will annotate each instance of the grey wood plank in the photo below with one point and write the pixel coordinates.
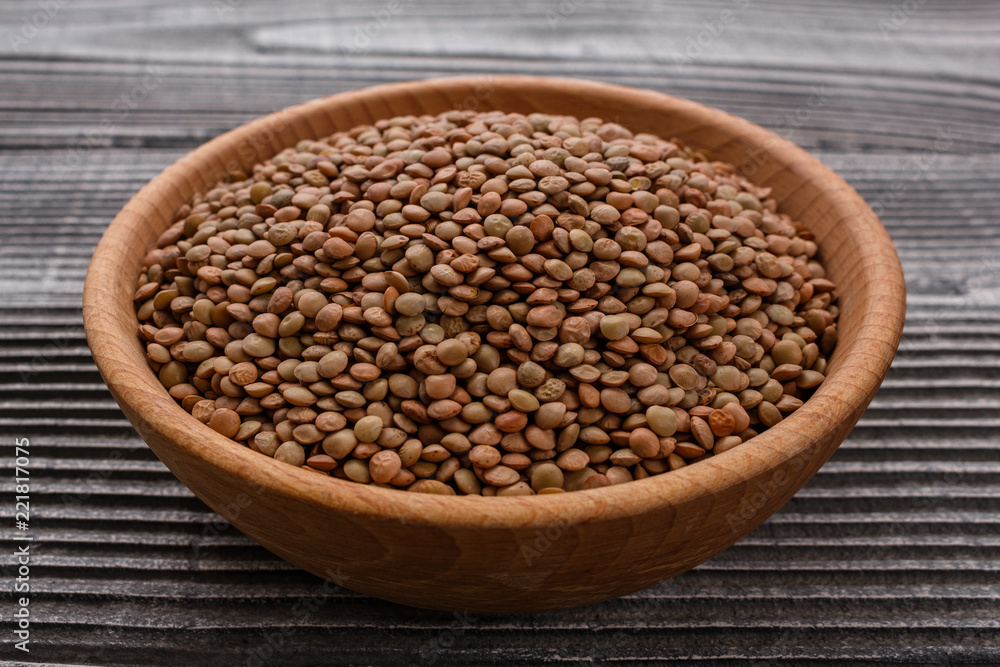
(890, 554)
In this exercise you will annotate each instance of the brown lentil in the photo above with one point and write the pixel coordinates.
(487, 303)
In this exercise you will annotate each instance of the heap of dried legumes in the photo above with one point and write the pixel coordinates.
(487, 303)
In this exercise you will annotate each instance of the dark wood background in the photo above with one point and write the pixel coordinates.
(891, 553)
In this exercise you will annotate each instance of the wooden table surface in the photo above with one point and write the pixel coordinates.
(890, 554)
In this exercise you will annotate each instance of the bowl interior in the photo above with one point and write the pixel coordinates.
(854, 247)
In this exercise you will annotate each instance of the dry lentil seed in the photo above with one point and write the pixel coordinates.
(545, 476)
(523, 401)
(258, 346)
(769, 414)
(662, 420)
(808, 379)
(367, 429)
(440, 386)
(357, 471)
(550, 390)
(573, 460)
(225, 422)
(727, 378)
(410, 304)
(644, 442)
(467, 482)
(615, 401)
(290, 453)
(500, 475)
(483, 456)
(530, 374)
(452, 352)
(614, 327)
(383, 466)
(518, 298)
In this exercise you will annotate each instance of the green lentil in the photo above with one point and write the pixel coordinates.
(367, 429)
(510, 303)
(614, 327)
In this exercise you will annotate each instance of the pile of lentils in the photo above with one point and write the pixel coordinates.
(487, 303)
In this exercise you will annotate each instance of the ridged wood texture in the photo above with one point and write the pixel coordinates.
(476, 553)
(888, 554)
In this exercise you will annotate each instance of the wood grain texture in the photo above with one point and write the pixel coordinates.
(466, 553)
(888, 555)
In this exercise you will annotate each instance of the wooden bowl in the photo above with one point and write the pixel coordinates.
(512, 554)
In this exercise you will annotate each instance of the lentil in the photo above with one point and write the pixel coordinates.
(487, 303)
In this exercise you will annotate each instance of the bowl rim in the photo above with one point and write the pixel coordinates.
(852, 378)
